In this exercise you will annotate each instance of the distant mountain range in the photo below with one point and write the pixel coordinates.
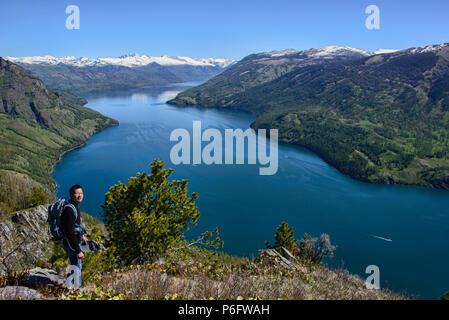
(129, 60)
(376, 117)
(84, 76)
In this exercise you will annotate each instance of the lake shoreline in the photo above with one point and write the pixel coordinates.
(437, 183)
(77, 146)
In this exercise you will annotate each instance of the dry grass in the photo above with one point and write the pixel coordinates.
(252, 280)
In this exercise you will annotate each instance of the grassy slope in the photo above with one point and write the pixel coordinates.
(229, 278)
(29, 148)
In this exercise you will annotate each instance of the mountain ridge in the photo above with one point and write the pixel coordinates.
(37, 125)
(260, 68)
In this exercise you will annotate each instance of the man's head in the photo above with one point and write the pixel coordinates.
(76, 193)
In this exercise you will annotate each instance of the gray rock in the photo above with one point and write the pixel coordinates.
(19, 293)
(278, 258)
(39, 277)
(289, 255)
(24, 239)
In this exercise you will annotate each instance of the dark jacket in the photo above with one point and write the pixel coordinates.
(71, 235)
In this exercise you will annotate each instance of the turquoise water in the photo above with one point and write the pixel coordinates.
(247, 207)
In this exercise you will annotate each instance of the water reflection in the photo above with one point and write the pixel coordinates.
(139, 97)
(167, 95)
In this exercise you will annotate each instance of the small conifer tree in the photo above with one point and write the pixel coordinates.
(147, 214)
(284, 237)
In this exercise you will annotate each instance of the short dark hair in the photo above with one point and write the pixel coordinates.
(73, 188)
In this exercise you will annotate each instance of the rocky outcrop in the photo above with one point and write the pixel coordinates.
(272, 256)
(26, 242)
(19, 293)
(24, 239)
(38, 277)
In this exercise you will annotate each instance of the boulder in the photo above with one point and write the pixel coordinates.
(19, 293)
(277, 258)
(39, 277)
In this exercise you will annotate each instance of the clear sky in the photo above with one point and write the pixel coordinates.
(210, 28)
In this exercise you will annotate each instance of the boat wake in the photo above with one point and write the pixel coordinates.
(381, 238)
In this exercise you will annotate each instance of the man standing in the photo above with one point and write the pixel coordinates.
(72, 230)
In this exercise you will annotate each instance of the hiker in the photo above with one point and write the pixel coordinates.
(71, 228)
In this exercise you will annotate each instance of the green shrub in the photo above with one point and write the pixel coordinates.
(38, 197)
(147, 214)
(316, 249)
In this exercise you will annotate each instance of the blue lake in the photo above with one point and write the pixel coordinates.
(247, 207)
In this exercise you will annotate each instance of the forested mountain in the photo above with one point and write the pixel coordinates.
(379, 118)
(36, 126)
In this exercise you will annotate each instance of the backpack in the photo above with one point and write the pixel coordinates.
(54, 217)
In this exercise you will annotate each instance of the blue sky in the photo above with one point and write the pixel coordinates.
(201, 28)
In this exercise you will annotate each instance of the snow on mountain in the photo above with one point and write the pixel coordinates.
(382, 51)
(130, 60)
(431, 48)
(328, 52)
(415, 50)
(321, 52)
(282, 53)
(137, 60)
(335, 50)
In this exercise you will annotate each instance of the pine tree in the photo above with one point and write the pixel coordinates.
(148, 214)
(284, 237)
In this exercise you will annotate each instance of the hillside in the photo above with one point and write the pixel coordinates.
(257, 69)
(83, 76)
(26, 242)
(380, 118)
(233, 278)
(37, 125)
(175, 276)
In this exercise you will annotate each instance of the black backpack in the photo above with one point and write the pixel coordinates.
(54, 217)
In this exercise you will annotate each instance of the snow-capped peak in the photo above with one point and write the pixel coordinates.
(383, 51)
(431, 48)
(130, 55)
(335, 50)
(129, 60)
(282, 52)
(321, 52)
